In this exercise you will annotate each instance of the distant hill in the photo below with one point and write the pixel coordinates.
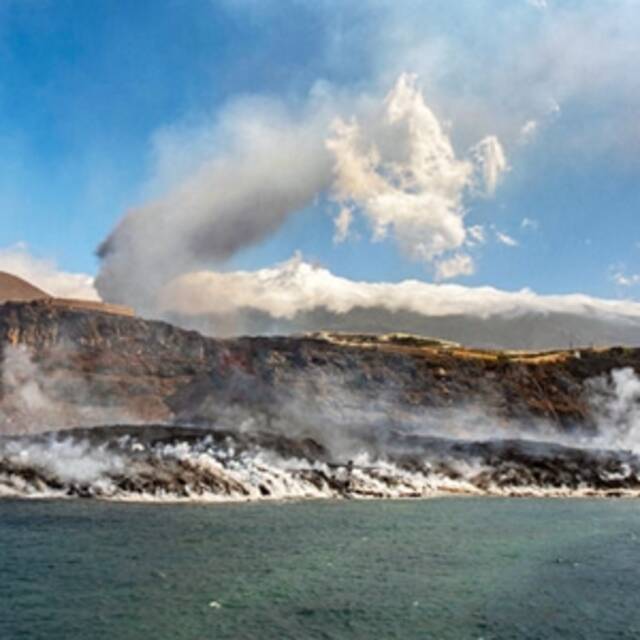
(526, 330)
(16, 289)
(298, 297)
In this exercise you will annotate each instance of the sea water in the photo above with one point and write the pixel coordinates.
(441, 568)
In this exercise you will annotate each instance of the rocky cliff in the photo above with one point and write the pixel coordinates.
(64, 368)
(99, 405)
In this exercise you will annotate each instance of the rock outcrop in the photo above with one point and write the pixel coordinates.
(64, 367)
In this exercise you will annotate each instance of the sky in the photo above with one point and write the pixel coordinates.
(480, 143)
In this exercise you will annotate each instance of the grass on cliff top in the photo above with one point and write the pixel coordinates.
(421, 345)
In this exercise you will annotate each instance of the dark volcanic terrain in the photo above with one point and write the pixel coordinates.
(101, 405)
(71, 368)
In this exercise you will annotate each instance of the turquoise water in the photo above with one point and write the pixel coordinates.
(446, 568)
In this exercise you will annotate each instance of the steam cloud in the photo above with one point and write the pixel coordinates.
(616, 403)
(394, 451)
(272, 164)
(393, 163)
(36, 399)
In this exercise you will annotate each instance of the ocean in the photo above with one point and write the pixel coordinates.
(450, 568)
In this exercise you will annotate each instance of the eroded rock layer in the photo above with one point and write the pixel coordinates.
(63, 367)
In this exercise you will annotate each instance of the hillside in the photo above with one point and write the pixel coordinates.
(17, 289)
(64, 367)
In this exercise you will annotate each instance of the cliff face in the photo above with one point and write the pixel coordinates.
(63, 367)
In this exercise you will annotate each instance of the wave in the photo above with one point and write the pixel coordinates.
(160, 462)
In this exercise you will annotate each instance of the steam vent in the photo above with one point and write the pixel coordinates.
(14, 289)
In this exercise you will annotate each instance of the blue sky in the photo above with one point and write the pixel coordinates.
(95, 95)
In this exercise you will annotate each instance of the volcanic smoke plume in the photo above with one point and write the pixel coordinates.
(271, 166)
(391, 163)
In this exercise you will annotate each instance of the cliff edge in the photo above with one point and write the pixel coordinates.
(64, 367)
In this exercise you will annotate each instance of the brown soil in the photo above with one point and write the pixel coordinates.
(145, 371)
(14, 288)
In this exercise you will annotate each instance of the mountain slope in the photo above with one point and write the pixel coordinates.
(65, 367)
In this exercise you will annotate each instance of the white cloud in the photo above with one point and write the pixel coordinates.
(529, 223)
(623, 279)
(46, 275)
(490, 161)
(538, 4)
(257, 164)
(342, 224)
(296, 286)
(506, 239)
(233, 182)
(546, 115)
(528, 131)
(580, 55)
(460, 264)
(401, 172)
(476, 235)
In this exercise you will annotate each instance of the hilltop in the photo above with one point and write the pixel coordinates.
(13, 288)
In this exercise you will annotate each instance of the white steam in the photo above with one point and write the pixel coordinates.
(25, 401)
(376, 450)
(394, 164)
(616, 402)
(68, 461)
(37, 397)
(267, 165)
(202, 472)
(401, 171)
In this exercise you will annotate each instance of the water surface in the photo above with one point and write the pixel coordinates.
(443, 568)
